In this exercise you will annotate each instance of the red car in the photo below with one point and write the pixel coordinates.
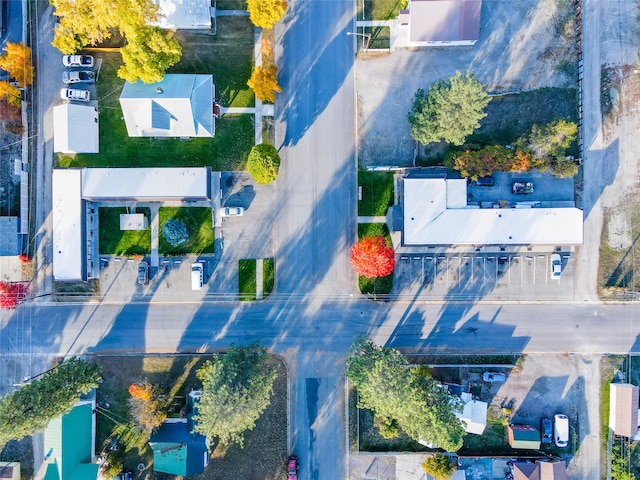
(292, 468)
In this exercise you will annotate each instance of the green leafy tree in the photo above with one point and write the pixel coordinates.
(552, 140)
(236, 389)
(33, 406)
(439, 467)
(416, 403)
(148, 54)
(449, 111)
(265, 13)
(263, 163)
(264, 83)
(620, 465)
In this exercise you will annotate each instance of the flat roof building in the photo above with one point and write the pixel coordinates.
(67, 215)
(76, 129)
(436, 212)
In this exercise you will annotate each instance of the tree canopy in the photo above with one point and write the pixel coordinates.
(395, 393)
(263, 163)
(551, 140)
(265, 13)
(34, 405)
(439, 467)
(236, 389)
(371, 257)
(264, 83)
(148, 54)
(16, 60)
(450, 110)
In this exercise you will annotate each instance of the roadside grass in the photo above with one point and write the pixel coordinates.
(231, 4)
(247, 279)
(511, 116)
(464, 360)
(113, 241)
(352, 396)
(228, 55)
(199, 225)
(268, 276)
(377, 193)
(616, 269)
(76, 291)
(379, 285)
(380, 37)
(608, 366)
(265, 448)
(380, 9)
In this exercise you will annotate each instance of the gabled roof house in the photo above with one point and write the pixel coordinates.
(69, 444)
(473, 415)
(181, 105)
(540, 470)
(441, 22)
(75, 129)
(177, 449)
(523, 437)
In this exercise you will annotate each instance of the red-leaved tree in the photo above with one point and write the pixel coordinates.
(12, 294)
(371, 257)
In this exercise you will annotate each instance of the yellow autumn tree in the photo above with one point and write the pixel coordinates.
(16, 59)
(10, 94)
(264, 83)
(265, 13)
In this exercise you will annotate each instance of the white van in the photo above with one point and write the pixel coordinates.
(561, 430)
(197, 276)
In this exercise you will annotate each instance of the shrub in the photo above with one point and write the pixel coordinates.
(175, 232)
(263, 163)
(147, 405)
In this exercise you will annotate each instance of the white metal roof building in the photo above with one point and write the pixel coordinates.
(184, 14)
(181, 105)
(67, 215)
(75, 129)
(145, 183)
(436, 213)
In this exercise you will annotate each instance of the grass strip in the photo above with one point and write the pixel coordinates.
(247, 279)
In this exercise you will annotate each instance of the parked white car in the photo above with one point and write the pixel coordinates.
(77, 76)
(232, 211)
(556, 266)
(561, 430)
(75, 94)
(77, 61)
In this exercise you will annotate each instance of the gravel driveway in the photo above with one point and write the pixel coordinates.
(519, 49)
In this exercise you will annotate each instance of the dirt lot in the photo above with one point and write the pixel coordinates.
(523, 45)
(265, 449)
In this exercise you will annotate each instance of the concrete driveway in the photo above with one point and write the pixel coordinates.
(518, 49)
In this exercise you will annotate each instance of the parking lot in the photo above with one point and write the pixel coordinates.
(477, 275)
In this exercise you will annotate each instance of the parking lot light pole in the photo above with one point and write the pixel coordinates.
(367, 36)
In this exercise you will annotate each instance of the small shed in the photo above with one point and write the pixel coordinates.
(623, 409)
(10, 470)
(524, 437)
(133, 221)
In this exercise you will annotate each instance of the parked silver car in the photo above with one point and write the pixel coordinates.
(77, 61)
(77, 76)
(232, 211)
(556, 266)
(75, 94)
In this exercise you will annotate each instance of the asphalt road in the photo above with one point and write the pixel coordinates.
(12, 22)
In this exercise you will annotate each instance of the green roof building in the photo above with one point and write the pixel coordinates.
(69, 444)
(524, 437)
(176, 450)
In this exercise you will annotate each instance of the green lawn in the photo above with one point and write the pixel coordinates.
(377, 192)
(199, 225)
(228, 55)
(379, 285)
(380, 37)
(114, 241)
(231, 4)
(268, 276)
(380, 9)
(247, 279)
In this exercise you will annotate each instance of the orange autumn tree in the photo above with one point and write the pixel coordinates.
(264, 83)
(16, 59)
(148, 407)
(371, 257)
